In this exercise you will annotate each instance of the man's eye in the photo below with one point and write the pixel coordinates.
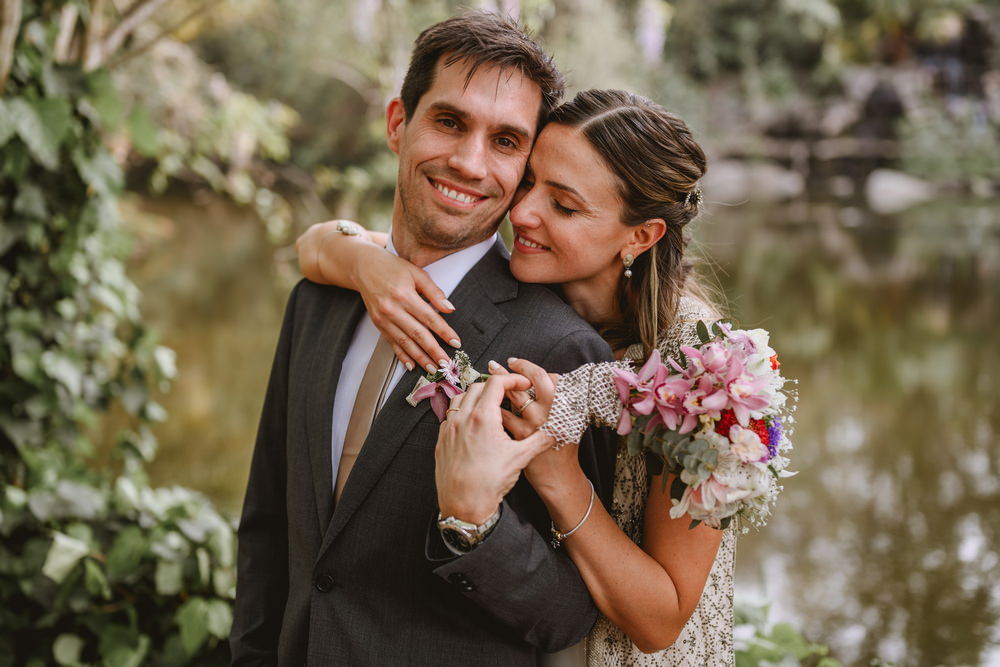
(449, 123)
(507, 142)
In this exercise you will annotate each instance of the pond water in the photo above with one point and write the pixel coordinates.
(886, 543)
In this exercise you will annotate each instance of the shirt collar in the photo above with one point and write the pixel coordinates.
(448, 271)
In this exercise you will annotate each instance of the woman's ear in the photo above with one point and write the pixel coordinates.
(395, 121)
(644, 236)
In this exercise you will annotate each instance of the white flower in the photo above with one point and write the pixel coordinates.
(746, 444)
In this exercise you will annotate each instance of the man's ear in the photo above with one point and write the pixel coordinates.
(645, 236)
(395, 122)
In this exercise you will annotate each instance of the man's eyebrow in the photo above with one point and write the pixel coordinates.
(521, 132)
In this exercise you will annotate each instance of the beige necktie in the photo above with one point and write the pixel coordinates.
(370, 396)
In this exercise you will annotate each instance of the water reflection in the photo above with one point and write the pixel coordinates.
(885, 544)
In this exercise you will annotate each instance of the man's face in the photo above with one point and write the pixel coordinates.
(461, 158)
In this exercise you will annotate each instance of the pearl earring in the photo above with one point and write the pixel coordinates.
(627, 261)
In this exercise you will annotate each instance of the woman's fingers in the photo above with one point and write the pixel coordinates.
(429, 289)
(401, 342)
(428, 324)
(515, 425)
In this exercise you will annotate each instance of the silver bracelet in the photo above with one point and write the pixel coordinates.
(557, 537)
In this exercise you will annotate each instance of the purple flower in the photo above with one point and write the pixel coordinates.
(774, 435)
(440, 393)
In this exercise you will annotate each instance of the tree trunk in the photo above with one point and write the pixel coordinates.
(10, 23)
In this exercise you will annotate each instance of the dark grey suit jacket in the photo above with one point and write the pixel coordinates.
(368, 582)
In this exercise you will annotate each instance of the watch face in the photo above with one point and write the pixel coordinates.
(456, 539)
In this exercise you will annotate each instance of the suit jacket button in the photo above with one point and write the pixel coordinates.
(456, 578)
(324, 583)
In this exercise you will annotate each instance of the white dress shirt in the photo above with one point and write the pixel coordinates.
(446, 273)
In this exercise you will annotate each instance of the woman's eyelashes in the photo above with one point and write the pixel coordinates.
(564, 210)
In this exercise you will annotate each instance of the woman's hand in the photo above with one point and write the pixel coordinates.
(551, 471)
(395, 292)
(476, 462)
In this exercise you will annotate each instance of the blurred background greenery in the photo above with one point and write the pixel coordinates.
(852, 209)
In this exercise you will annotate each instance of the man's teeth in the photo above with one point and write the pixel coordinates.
(531, 244)
(457, 196)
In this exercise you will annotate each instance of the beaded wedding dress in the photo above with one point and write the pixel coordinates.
(588, 396)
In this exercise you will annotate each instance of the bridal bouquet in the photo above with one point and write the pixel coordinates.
(718, 419)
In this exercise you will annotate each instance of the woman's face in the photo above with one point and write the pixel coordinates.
(567, 219)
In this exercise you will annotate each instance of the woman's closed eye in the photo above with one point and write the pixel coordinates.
(564, 210)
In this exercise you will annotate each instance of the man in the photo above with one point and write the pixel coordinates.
(341, 555)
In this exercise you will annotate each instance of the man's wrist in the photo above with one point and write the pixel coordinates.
(460, 536)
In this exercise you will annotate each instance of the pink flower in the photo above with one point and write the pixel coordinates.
(668, 398)
(636, 391)
(744, 395)
(440, 393)
(712, 358)
(706, 399)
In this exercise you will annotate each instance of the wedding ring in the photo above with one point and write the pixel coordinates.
(449, 411)
(519, 411)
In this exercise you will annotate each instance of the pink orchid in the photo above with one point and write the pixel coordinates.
(636, 391)
(440, 393)
(744, 395)
(712, 358)
(669, 401)
(707, 399)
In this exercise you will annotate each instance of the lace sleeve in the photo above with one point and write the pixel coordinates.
(584, 397)
(587, 396)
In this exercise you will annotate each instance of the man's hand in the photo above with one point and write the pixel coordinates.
(476, 462)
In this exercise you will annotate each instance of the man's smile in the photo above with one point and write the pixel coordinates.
(454, 195)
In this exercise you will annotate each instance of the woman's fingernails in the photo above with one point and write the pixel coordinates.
(447, 304)
(430, 368)
(409, 365)
(493, 365)
(442, 362)
(454, 342)
(511, 360)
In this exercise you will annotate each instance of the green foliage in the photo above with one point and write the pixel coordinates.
(95, 567)
(760, 643)
(950, 145)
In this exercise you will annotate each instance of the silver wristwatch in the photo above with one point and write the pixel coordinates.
(461, 537)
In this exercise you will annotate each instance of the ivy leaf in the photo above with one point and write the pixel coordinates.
(220, 618)
(66, 649)
(98, 170)
(169, 577)
(192, 619)
(127, 552)
(145, 134)
(104, 99)
(95, 580)
(42, 124)
(63, 556)
(7, 125)
(60, 367)
(122, 646)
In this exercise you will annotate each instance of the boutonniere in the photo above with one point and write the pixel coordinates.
(451, 379)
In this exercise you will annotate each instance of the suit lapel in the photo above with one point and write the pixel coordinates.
(477, 321)
(328, 352)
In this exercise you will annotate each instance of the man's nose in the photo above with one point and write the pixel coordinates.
(469, 158)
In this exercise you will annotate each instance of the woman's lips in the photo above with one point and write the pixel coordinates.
(528, 246)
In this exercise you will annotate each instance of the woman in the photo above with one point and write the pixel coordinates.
(610, 186)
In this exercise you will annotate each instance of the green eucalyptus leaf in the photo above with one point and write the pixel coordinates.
(63, 556)
(702, 330)
(66, 649)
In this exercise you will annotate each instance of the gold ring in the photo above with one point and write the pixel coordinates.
(449, 411)
(528, 402)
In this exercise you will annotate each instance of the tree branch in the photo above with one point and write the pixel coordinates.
(92, 55)
(131, 53)
(10, 23)
(138, 13)
(68, 21)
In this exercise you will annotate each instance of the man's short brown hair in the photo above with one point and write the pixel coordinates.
(479, 38)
